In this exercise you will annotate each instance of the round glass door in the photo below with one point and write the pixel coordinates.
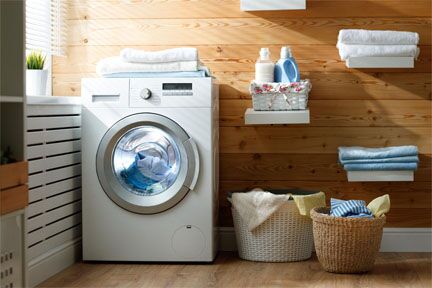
(146, 163)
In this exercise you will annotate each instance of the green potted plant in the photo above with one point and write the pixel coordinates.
(36, 76)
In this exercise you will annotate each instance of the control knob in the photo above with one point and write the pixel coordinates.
(145, 93)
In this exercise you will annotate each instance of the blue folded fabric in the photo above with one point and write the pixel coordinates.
(405, 159)
(352, 153)
(350, 209)
(380, 166)
(145, 171)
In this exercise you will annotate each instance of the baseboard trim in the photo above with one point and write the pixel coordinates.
(394, 240)
(54, 261)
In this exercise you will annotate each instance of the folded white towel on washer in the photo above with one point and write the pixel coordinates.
(113, 65)
(163, 56)
(380, 37)
(257, 206)
(348, 51)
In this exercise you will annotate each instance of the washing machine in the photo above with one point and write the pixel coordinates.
(149, 169)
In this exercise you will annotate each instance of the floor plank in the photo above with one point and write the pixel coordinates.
(391, 270)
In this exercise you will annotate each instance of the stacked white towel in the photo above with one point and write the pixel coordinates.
(163, 56)
(377, 43)
(176, 62)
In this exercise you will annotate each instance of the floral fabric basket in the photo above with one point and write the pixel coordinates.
(280, 96)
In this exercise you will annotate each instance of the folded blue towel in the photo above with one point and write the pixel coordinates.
(352, 153)
(405, 159)
(380, 166)
(350, 209)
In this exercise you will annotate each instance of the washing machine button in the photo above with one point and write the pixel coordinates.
(145, 93)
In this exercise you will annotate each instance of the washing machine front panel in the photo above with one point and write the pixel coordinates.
(146, 163)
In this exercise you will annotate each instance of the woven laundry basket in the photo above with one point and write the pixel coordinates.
(346, 245)
(286, 236)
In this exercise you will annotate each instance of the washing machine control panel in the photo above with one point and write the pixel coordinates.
(177, 89)
(170, 92)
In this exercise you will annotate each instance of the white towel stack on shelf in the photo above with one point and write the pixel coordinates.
(375, 43)
(176, 62)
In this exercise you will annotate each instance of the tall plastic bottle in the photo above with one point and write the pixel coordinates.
(286, 69)
(264, 67)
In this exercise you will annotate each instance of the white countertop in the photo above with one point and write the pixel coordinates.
(53, 100)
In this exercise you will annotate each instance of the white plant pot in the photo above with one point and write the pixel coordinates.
(36, 82)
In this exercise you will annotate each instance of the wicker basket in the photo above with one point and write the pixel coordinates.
(280, 96)
(286, 236)
(279, 101)
(346, 245)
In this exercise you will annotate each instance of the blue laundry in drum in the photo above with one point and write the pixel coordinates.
(145, 171)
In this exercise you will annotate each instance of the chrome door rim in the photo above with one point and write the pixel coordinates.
(147, 204)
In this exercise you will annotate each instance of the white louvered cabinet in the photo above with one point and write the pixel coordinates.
(54, 211)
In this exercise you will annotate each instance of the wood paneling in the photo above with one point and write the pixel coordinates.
(231, 30)
(366, 107)
(348, 113)
(293, 139)
(144, 9)
(317, 167)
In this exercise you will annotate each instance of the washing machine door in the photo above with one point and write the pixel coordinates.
(146, 163)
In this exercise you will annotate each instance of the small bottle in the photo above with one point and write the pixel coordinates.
(286, 69)
(264, 67)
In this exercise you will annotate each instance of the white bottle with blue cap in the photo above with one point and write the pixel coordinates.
(286, 69)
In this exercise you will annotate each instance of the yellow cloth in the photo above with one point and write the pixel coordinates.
(305, 203)
(379, 206)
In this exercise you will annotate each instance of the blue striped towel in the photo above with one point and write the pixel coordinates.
(404, 159)
(350, 153)
(350, 208)
(381, 167)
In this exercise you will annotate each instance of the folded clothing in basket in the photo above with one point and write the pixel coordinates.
(256, 206)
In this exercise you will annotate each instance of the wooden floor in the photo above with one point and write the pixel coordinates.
(391, 270)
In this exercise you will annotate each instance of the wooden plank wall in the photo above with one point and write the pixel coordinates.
(369, 107)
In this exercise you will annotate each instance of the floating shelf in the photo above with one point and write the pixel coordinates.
(11, 99)
(253, 117)
(265, 5)
(380, 62)
(373, 176)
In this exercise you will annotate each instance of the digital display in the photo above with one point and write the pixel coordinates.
(177, 86)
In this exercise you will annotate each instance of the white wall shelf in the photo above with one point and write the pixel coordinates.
(376, 176)
(380, 62)
(265, 5)
(276, 117)
(11, 99)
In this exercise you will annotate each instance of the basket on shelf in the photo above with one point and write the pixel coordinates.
(346, 245)
(280, 96)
